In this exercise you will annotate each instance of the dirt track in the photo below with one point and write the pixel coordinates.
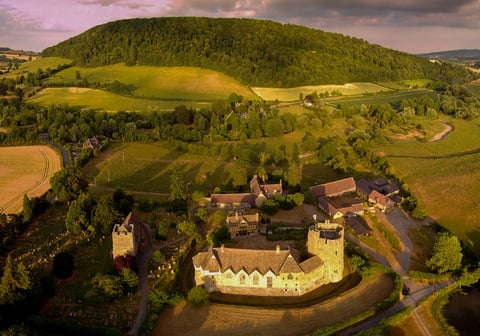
(220, 319)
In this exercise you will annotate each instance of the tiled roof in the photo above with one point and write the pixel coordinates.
(326, 206)
(234, 198)
(378, 198)
(257, 186)
(334, 188)
(311, 264)
(358, 225)
(248, 260)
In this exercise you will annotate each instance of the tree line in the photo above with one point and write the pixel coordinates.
(256, 52)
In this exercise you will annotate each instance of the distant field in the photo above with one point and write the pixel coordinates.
(293, 94)
(25, 169)
(106, 101)
(38, 63)
(445, 177)
(167, 83)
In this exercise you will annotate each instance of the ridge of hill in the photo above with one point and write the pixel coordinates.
(255, 52)
(454, 55)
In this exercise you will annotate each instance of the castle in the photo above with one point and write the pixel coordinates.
(274, 272)
(125, 237)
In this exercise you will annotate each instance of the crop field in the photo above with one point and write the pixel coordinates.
(445, 176)
(25, 170)
(106, 101)
(393, 98)
(167, 83)
(293, 94)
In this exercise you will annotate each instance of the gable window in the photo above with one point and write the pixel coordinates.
(242, 279)
(255, 279)
(229, 275)
(290, 277)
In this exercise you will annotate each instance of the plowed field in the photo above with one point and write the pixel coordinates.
(25, 170)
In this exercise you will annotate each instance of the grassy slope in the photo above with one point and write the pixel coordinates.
(106, 101)
(179, 83)
(445, 177)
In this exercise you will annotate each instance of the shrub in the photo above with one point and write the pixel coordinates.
(198, 295)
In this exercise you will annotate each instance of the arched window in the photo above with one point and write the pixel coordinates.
(242, 279)
(255, 279)
(290, 277)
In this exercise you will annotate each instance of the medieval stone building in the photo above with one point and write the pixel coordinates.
(240, 223)
(274, 272)
(125, 237)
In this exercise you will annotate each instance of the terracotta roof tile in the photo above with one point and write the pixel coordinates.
(334, 188)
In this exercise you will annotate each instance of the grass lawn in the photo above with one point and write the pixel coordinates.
(444, 175)
(107, 101)
(166, 83)
(293, 94)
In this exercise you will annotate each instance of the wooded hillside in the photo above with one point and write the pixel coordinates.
(256, 52)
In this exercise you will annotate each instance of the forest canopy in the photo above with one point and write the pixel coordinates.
(255, 52)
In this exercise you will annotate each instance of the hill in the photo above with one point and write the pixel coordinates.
(454, 55)
(255, 52)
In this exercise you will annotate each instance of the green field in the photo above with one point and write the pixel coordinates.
(393, 98)
(106, 101)
(293, 94)
(167, 83)
(444, 175)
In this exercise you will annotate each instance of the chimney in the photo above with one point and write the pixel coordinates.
(222, 248)
(277, 248)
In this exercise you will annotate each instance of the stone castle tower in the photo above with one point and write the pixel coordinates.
(326, 240)
(125, 237)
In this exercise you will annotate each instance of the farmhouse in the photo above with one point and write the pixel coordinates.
(259, 192)
(379, 193)
(126, 236)
(328, 198)
(274, 272)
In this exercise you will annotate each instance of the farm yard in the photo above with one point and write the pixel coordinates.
(25, 170)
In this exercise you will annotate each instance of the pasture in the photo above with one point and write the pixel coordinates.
(165, 83)
(293, 94)
(445, 177)
(25, 170)
(106, 101)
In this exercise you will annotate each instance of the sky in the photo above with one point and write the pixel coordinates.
(414, 26)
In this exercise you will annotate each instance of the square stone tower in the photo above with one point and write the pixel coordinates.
(125, 237)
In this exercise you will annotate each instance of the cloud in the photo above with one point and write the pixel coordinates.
(119, 3)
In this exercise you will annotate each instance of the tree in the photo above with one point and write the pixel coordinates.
(104, 216)
(15, 282)
(293, 175)
(239, 175)
(79, 214)
(126, 261)
(447, 254)
(130, 280)
(202, 214)
(198, 295)
(68, 183)
(189, 228)
(28, 209)
(63, 265)
(103, 288)
(162, 231)
(178, 188)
